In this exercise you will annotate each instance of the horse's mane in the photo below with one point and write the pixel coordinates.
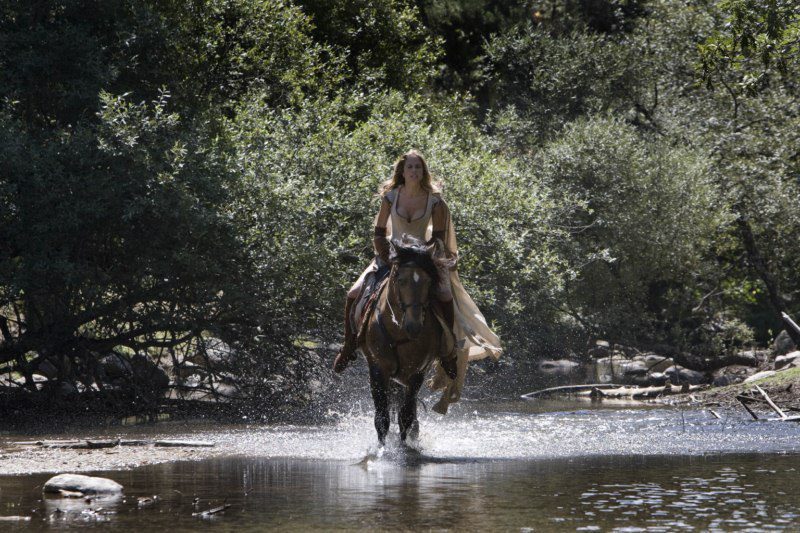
(412, 250)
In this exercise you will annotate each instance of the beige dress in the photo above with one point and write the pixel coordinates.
(474, 339)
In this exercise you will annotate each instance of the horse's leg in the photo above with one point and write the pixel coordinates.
(379, 385)
(408, 413)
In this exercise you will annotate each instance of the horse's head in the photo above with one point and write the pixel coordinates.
(415, 276)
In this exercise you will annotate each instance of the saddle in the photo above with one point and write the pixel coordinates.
(370, 290)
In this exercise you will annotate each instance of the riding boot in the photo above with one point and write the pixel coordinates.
(348, 351)
(449, 362)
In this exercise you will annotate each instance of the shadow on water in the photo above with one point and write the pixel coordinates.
(660, 493)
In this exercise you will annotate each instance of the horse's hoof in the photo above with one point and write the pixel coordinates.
(413, 432)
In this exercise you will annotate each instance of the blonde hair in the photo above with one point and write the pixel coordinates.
(397, 178)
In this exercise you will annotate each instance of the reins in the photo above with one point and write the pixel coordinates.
(393, 344)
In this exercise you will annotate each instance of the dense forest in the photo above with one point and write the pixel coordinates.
(188, 187)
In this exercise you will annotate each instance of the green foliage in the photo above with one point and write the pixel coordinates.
(541, 82)
(184, 176)
(385, 42)
(757, 36)
(649, 215)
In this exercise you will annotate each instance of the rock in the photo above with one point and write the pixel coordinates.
(116, 366)
(786, 360)
(217, 354)
(657, 363)
(679, 375)
(561, 367)
(618, 369)
(633, 368)
(80, 483)
(67, 391)
(149, 375)
(600, 349)
(47, 369)
(760, 375)
(783, 344)
(656, 379)
(753, 357)
(729, 375)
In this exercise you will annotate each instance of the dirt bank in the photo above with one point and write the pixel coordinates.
(783, 387)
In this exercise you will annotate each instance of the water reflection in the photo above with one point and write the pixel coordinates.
(490, 466)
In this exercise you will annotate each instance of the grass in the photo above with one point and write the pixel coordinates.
(783, 387)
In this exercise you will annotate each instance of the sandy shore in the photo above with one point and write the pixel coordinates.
(15, 459)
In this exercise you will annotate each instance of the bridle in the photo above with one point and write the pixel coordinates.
(394, 343)
(403, 305)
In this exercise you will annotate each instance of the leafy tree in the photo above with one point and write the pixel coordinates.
(541, 82)
(757, 36)
(648, 219)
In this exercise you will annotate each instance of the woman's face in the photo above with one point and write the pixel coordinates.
(412, 170)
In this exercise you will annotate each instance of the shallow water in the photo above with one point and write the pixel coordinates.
(501, 465)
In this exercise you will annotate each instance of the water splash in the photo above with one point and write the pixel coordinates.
(484, 436)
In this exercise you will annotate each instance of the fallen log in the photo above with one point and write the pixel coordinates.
(213, 511)
(647, 392)
(570, 389)
(743, 400)
(782, 416)
(771, 403)
(793, 330)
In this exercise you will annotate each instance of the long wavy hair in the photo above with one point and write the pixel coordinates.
(397, 178)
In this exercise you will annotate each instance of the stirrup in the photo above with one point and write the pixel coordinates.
(345, 355)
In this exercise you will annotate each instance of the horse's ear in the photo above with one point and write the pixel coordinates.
(392, 251)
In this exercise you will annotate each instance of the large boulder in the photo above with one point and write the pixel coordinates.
(656, 379)
(47, 369)
(679, 375)
(609, 369)
(783, 344)
(116, 366)
(656, 363)
(149, 376)
(216, 355)
(787, 360)
(80, 483)
(560, 367)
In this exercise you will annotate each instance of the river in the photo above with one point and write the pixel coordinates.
(490, 465)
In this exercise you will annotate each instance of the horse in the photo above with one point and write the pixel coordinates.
(403, 336)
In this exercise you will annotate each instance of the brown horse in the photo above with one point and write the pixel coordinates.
(403, 337)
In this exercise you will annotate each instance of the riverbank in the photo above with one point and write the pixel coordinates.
(19, 460)
(783, 388)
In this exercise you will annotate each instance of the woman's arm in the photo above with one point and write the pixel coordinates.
(380, 242)
(441, 218)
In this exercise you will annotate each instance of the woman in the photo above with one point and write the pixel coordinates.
(411, 204)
